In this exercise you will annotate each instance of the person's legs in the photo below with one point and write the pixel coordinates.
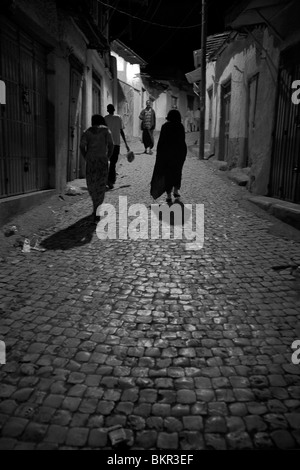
(112, 166)
(148, 140)
(177, 176)
(176, 191)
(96, 179)
(151, 142)
(99, 191)
(145, 139)
(169, 187)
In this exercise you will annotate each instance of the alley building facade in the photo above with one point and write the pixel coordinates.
(57, 71)
(251, 122)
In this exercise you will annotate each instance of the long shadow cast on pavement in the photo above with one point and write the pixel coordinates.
(78, 234)
(184, 214)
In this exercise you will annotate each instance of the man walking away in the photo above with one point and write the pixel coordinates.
(148, 119)
(115, 124)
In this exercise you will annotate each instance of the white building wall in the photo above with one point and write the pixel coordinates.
(256, 57)
(210, 82)
(238, 71)
(160, 108)
(136, 120)
(130, 75)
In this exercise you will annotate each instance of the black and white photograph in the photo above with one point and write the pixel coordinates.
(150, 229)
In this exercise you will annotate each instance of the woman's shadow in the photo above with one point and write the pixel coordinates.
(78, 234)
(177, 215)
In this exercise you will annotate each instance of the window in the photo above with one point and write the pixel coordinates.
(96, 91)
(174, 100)
(190, 102)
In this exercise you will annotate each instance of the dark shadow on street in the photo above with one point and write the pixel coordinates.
(118, 187)
(78, 234)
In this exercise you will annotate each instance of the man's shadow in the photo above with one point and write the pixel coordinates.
(78, 234)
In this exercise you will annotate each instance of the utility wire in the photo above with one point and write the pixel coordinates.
(127, 27)
(109, 17)
(173, 33)
(145, 28)
(149, 22)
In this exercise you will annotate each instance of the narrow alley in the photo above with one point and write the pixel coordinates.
(146, 345)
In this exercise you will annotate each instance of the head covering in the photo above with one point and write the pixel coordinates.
(174, 116)
(98, 120)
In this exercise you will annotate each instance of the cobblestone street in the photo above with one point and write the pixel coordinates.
(150, 344)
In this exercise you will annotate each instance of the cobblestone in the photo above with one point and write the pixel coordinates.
(185, 350)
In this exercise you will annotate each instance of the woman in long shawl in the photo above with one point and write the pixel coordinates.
(96, 146)
(170, 157)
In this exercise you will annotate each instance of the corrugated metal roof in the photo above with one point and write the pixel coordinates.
(213, 44)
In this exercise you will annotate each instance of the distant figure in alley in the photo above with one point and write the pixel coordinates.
(148, 124)
(97, 146)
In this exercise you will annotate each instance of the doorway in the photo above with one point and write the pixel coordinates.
(225, 120)
(210, 103)
(251, 114)
(75, 116)
(23, 120)
(285, 167)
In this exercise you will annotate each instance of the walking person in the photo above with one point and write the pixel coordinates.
(192, 121)
(115, 125)
(187, 120)
(148, 124)
(197, 119)
(170, 157)
(96, 146)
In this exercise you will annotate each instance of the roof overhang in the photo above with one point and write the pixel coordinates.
(213, 44)
(126, 53)
(194, 76)
(272, 13)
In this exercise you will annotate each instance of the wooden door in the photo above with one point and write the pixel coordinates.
(23, 126)
(75, 114)
(210, 103)
(285, 167)
(225, 121)
(251, 110)
(96, 92)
